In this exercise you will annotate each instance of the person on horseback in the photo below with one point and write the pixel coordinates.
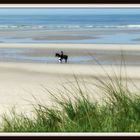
(61, 56)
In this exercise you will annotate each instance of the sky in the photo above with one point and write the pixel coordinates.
(67, 11)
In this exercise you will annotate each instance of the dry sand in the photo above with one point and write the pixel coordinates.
(19, 82)
(128, 47)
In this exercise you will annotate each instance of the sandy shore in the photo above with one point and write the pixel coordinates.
(21, 82)
(128, 47)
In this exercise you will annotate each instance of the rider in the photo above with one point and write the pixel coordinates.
(61, 57)
(61, 54)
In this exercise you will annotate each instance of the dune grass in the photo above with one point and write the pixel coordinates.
(118, 112)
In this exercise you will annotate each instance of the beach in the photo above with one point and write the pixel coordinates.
(23, 81)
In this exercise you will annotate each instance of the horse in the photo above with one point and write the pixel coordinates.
(65, 57)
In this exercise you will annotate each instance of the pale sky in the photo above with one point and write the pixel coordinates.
(67, 11)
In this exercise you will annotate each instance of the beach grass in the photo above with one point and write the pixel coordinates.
(118, 111)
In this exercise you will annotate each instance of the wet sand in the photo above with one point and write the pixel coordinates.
(105, 54)
(68, 37)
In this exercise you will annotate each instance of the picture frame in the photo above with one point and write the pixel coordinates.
(68, 134)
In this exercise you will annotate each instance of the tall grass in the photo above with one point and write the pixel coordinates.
(118, 112)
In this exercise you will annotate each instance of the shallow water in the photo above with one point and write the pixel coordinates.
(114, 37)
(22, 55)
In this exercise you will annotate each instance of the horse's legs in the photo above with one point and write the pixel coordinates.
(60, 60)
(65, 60)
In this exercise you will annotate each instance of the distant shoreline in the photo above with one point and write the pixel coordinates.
(80, 36)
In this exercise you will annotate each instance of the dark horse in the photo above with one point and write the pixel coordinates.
(65, 57)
